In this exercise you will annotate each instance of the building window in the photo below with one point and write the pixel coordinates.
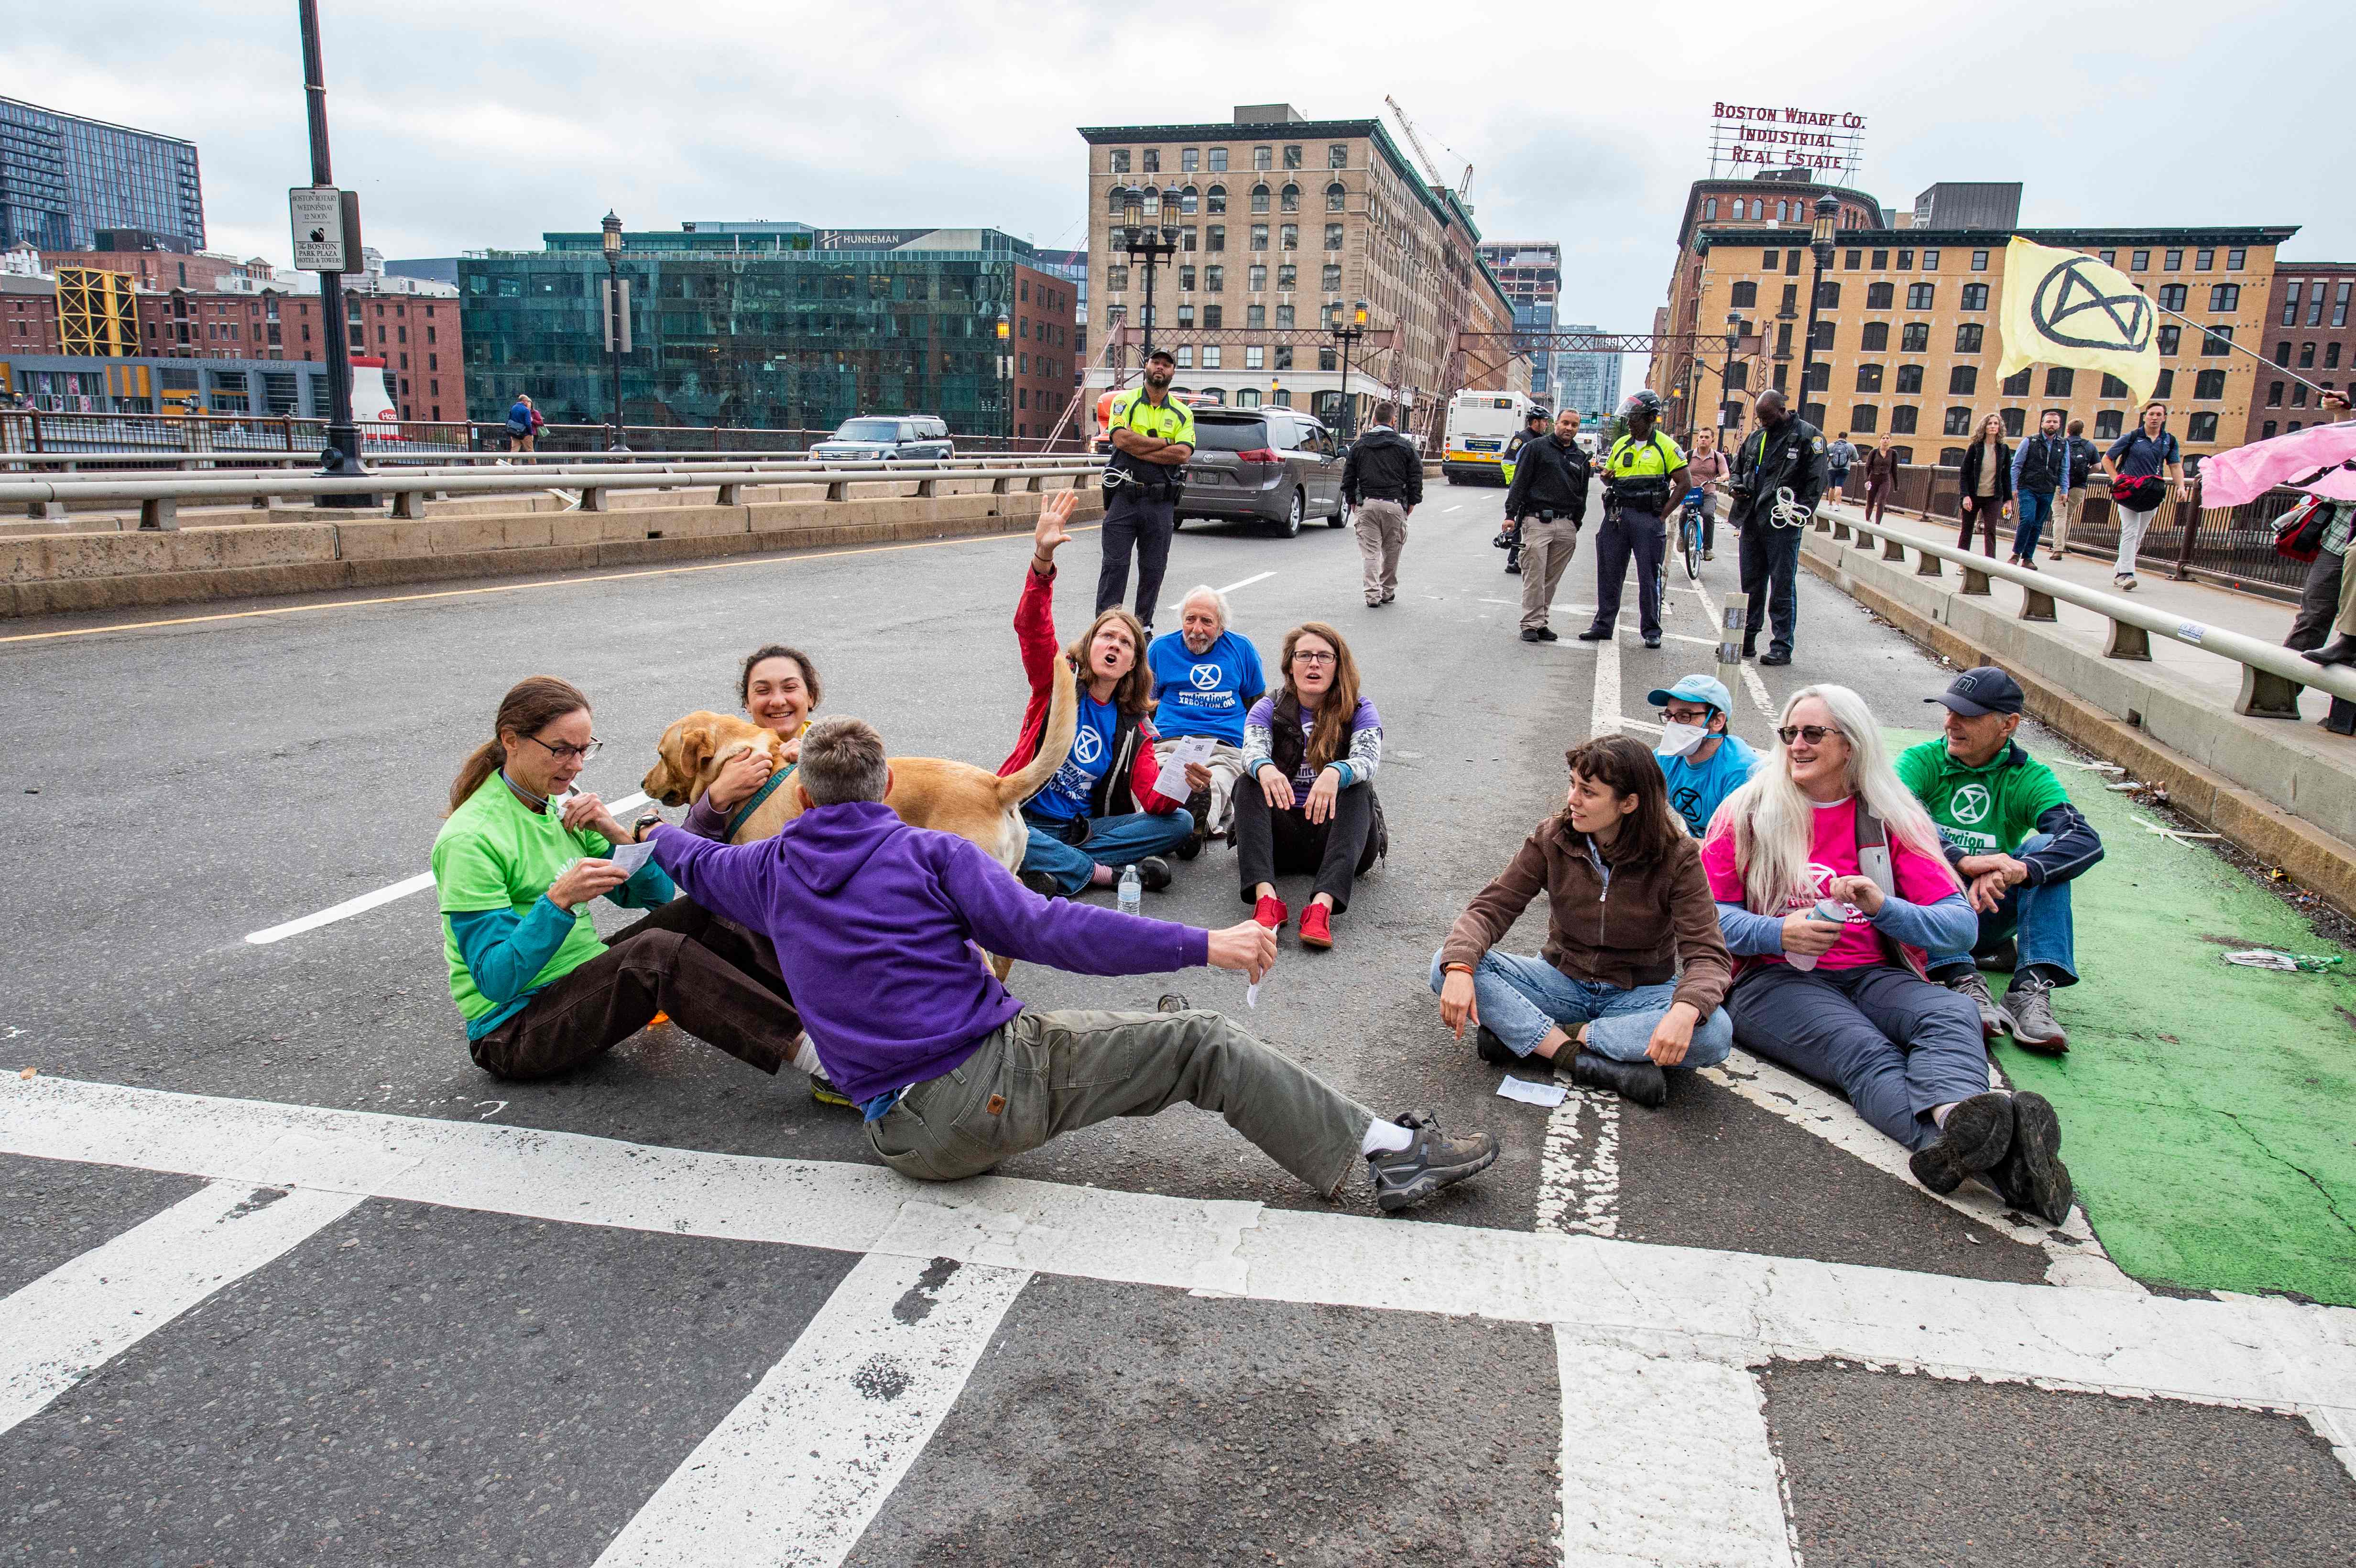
(1819, 377)
(1152, 164)
(1905, 261)
(1286, 274)
(1255, 315)
(1260, 198)
(1116, 277)
(2014, 420)
(2234, 259)
(1289, 198)
(2338, 305)
(2266, 430)
(1218, 161)
(1288, 237)
(1864, 417)
(1215, 237)
(1186, 280)
(1211, 352)
(1918, 296)
(2306, 356)
(1190, 201)
(1902, 420)
(2290, 300)
(1868, 378)
(1915, 337)
(2169, 337)
(1828, 295)
(1332, 237)
(1189, 159)
(1256, 278)
(1772, 260)
(1292, 157)
(2217, 341)
(2201, 427)
(1962, 380)
(1121, 160)
(2175, 261)
(1976, 296)
(2107, 258)
(1929, 261)
(1326, 360)
(2298, 396)
(1709, 209)
(2112, 386)
(1284, 316)
(1877, 296)
(1337, 155)
(1852, 261)
(1185, 315)
(1215, 280)
(1874, 337)
(2226, 297)
(1284, 362)
(1791, 302)
(1330, 279)
(1745, 295)
(1214, 200)
(1969, 337)
(1335, 197)
(2171, 296)
(1262, 157)
(2058, 380)
(1979, 260)
(2165, 387)
(2210, 385)
(1115, 314)
(1259, 235)
(2331, 356)
(2108, 422)
(1910, 378)
(1881, 261)
(2204, 261)
(1255, 358)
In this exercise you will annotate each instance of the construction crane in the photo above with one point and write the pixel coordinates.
(1424, 156)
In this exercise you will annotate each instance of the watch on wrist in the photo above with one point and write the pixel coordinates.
(643, 826)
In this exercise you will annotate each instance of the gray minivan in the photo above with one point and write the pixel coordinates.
(1267, 465)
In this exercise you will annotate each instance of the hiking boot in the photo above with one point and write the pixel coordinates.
(1317, 926)
(1404, 1178)
(1971, 983)
(1271, 912)
(2028, 1006)
(2028, 1177)
(1639, 1082)
(1977, 1135)
(1493, 1051)
(1153, 873)
(823, 1091)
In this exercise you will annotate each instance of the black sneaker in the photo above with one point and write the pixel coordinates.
(1153, 872)
(823, 1091)
(1772, 658)
(1039, 882)
(1493, 1051)
(1530, 635)
(1639, 1082)
(1404, 1178)
(1977, 1136)
(1651, 641)
(1592, 635)
(2028, 1177)
(1546, 634)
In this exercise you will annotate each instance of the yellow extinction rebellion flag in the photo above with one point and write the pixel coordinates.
(2063, 307)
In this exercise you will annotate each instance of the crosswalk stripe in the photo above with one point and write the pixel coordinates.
(799, 1469)
(1665, 1463)
(65, 1324)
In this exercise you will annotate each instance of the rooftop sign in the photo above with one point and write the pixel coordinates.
(1748, 136)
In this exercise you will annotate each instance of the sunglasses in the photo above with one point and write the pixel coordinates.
(1814, 734)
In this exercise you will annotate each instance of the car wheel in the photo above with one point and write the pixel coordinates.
(1342, 514)
(1293, 513)
(1453, 480)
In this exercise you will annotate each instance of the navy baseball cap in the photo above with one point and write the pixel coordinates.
(1695, 689)
(1985, 690)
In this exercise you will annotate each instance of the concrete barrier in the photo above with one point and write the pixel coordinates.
(2260, 782)
(59, 572)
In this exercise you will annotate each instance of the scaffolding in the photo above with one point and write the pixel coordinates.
(97, 314)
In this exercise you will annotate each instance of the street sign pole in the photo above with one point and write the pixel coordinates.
(341, 459)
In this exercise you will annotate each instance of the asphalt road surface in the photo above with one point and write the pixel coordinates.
(293, 1282)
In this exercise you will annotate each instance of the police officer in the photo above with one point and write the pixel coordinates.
(1509, 537)
(1152, 437)
(1545, 509)
(1786, 452)
(1643, 473)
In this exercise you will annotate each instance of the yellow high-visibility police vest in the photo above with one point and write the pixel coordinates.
(1174, 420)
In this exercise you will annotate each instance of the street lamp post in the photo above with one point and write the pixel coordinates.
(1006, 376)
(341, 458)
(1820, 243)
(617, 316)
(1151, 244)
(1346, 333)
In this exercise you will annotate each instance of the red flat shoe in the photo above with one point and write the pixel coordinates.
(1316, 926)
(1271, 912)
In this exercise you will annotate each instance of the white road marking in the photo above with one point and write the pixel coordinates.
(74, 1320)
(1230, 588)
(1665, 1461)
(797, 1470)
(1663, 1300)
(384, 895)
(1650, 729)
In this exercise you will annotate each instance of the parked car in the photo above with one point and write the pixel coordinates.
(1269, 464)
(898, 438)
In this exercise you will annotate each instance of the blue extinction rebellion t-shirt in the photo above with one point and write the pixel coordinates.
(1206, 693)
(1697, 789)
(1065, 796)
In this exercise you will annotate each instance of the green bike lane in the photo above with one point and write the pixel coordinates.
(2208, 1109)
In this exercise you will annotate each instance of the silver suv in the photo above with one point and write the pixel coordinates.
(1268, 465)
(898, 438)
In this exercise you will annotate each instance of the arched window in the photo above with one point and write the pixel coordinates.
(1260, 198)
(1709, 209)
(1289, 198)
(1247, 396)
(1780, 212)
(1335, 197)
(1863, 418)
(1188, 201)
(1216, 198)
(1112, 202)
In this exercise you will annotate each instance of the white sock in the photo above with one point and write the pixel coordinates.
(1386, 1138)
(805, 1056)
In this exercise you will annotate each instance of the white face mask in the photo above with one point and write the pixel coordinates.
(1677, 738)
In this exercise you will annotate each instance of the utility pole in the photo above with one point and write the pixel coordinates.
(341, 459)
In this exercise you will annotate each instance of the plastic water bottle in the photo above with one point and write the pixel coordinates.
(1133, 891)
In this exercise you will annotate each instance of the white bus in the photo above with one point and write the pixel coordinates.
(1479, 426)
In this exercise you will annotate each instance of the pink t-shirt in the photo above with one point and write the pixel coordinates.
(1921, 880)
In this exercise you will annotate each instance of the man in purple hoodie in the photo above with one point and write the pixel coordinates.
(876, 924)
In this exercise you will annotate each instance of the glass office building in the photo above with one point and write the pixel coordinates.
(63, 178)
(775, 325)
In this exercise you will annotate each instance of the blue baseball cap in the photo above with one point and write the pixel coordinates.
(1981, 690)
(1695, 688)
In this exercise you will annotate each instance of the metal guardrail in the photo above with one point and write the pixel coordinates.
(227, 461)
(2271, 674)
(160, 498)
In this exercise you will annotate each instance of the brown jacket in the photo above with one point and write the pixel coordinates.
(1626, 930)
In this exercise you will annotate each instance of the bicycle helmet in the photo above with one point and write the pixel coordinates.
(1643, 398)
(1536, 413)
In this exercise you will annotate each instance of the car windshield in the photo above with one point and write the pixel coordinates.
(869, 430)
(1229, 435)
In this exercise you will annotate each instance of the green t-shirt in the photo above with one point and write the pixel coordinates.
(494, 853)
(1983, 810)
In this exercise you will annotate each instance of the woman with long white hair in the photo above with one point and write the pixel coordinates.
(1830, 888)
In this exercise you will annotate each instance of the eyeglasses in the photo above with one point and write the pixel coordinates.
(1305, 655)
(569, 754)
(1814, 734)
(1688, 715)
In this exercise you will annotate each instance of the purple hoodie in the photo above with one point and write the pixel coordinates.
(874, 923)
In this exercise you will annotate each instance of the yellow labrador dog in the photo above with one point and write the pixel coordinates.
(927, 791)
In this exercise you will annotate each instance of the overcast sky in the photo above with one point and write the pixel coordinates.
(467, 126)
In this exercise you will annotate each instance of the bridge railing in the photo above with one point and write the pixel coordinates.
(2271, 674)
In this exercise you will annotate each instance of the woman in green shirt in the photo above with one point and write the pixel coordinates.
(516, 866)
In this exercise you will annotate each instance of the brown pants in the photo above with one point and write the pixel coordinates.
(1877, 498)
(1982, 515)
(716, 981)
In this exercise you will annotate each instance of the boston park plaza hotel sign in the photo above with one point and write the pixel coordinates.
(1744, 137)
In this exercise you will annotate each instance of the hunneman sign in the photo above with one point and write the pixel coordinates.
(1756, 135)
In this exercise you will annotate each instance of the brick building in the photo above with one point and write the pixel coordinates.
(416, 336)
(2309, 329)
(28, 314)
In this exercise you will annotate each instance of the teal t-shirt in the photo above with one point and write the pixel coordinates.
(1986, 809)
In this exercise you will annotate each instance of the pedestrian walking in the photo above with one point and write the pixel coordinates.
(2041, 470)
(1786, 452)
(1545, 509)
(1987, 484)
(2136, 463)
(2070, 505)
(1707, 467)
(1880, 474)
(1383, 482)
(1838, 456)
(1642, 474)
(1152, 437)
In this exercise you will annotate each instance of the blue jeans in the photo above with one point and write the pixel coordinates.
(2030, 513)
(2038, 920)
(1070, 850)
(1521, 999)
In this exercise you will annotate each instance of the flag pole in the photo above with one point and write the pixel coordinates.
(2245, 348)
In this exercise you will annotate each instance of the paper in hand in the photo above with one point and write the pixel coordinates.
(1547, 1094)
(1170, 783)
(630, 857)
